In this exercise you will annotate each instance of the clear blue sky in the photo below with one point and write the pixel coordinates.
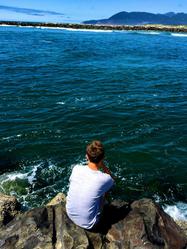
(80, 10)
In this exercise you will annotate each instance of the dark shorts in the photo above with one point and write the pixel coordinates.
(111, 213)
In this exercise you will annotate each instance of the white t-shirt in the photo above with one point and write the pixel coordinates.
(85, 195)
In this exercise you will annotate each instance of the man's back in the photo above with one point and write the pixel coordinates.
(85, 195)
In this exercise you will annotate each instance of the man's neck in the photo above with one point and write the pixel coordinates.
(93, 166)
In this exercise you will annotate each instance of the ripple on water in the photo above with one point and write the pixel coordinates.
(129, 93)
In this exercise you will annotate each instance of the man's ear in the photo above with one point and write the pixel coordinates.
(87, 157)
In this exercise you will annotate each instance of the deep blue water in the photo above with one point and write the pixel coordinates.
(60, 89)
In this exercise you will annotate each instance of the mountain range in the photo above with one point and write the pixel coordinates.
(141, 18)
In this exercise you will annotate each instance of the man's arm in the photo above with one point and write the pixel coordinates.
(106, 170)
(106, 196)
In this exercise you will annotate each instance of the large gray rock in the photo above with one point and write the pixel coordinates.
(59, 198)
(43, 228)
(147, 226)
(9, 208)
(142, 225)
(183, 225)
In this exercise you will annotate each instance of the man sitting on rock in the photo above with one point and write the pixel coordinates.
(88, 186)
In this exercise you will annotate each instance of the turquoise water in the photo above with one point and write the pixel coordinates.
(61, 89)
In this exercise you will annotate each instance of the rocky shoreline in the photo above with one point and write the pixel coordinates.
(139, 225)
(151, 27)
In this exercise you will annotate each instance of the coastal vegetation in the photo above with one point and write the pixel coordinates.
(146, 27)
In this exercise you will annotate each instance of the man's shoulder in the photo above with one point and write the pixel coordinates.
(105, 177)
(76, 170)
(105, 182)
(78, 167)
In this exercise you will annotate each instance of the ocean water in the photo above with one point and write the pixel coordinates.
(60, 89)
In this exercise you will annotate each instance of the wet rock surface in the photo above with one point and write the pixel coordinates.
(147, 226)
(141, 225)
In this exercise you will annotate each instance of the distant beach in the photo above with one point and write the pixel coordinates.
(146, 27)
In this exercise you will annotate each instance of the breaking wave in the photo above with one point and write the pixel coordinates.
(179, 35)
(178, 211)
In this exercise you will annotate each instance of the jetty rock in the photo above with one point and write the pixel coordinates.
(140, 225)
(9, 208)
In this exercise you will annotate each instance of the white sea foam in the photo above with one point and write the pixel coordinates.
(41, 27)
(6, 25)
(20, 26)
(90, 30)
(179, 34)
(72, 29)
(80, 99)
(12, 137)
(45, 41)
(30, 175)
(61, 103)
(7, 138)
(13, 176)
(178, 211)
(21, 184)
(149, 32)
